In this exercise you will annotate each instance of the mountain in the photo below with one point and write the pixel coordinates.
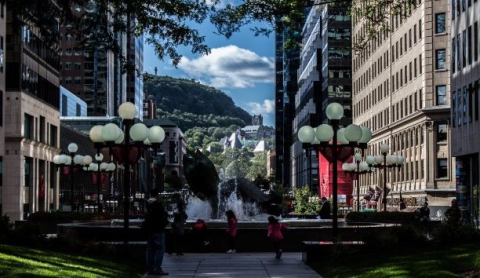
(190, 104)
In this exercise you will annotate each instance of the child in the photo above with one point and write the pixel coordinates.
(231, 231)
(178, 227)
(275, 235)
(200, 230)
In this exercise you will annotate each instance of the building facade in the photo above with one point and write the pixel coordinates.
(401, 91)
(71, 105)
(464, 119)
(29, 90)
(324, 76)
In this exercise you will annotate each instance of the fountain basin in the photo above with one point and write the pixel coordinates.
(251, 237)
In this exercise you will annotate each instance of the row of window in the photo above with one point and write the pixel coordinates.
(34, 130)
(465, 105)
(462, 46)
(400, 46)
(459, 7)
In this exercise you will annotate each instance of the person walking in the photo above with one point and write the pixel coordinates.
(275, 235)
(178, 227)
(231, 231)
(453, 214)
(325, 209)
(156, 219)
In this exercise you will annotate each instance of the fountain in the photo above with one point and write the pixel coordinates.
(213, 194)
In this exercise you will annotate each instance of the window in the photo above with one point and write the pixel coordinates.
(1, 170)
(465, 104)
(78, 80)
(42, 129)
(173, 156)
(453, 108)
(459, 61)
(28, 127)
(68, 66)
(441, 132)
(441, 94)
(28, 168)
(78, 65)
(68, 51)
(475, 41)
(1, 108)
(464, 48)
(1, 54)
(78, 110)
(64, 105)
(420, 29)
(469, 46)
(453, 56)
(470, 103)
(440, 55)
(53, 136)
(440, 23)
(442, 168)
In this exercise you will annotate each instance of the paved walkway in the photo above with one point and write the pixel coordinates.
(244, 265)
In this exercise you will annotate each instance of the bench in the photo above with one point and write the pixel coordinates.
(314, 251)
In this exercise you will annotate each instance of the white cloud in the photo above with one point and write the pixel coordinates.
(230, 67)
(267, 107)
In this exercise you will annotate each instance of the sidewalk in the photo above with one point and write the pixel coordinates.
(244, 265)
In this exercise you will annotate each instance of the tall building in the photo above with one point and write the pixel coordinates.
(286, 66)
(464, 120)
(401, 85)
(29, 99)
(71, 105)
(88, 71)
(324, 76)
(95, 73)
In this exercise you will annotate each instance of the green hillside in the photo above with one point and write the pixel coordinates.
(190, 104)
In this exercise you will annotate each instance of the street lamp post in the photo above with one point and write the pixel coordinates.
(385, 161)
(357, 167)
(111, 136)
(71, 161)
(336, 145)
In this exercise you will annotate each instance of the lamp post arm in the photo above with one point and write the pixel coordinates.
(334, 124)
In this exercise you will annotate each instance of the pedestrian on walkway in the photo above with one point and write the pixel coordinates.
(156, 219)
(275, 235)
(231, 231)
(200, 232)
(178, 227)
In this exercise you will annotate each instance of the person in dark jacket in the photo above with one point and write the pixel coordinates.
(325, 209)
(178, 227)
(155, 221)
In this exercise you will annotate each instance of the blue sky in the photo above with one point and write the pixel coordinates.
(242, 67)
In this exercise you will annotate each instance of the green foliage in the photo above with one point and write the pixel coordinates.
(6, 227)
(164, 24)
(190, 104)
(16, 261)
(302, 204)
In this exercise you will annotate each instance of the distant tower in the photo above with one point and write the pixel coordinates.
(257, 120)
(155, 71)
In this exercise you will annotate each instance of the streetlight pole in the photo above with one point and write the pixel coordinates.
(385, 161)
(72, 149)
(111, 135)
(350, 137)
(356, 168)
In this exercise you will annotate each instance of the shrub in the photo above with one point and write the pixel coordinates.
(6, 228)
(447, 233)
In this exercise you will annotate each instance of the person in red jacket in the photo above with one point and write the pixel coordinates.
(231, 231)
(275, 235)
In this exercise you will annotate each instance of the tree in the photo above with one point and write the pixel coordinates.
(165, 24)
(290, 14)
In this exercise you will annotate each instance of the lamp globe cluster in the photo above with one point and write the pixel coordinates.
(112, 134)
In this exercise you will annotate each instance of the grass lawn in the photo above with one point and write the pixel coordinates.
(27, 262)
(451, 261)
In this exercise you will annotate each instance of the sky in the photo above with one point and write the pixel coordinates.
(242, 67)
